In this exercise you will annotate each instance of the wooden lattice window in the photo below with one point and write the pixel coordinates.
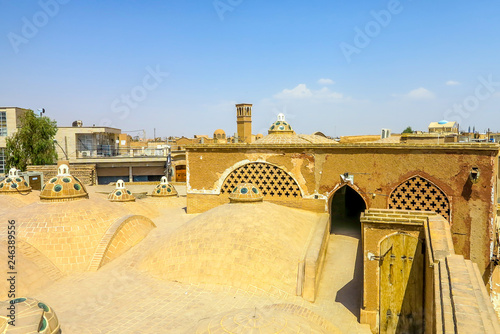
(419, 194)
(271, 180)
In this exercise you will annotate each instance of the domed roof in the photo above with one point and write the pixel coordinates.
(35, 316)
(265, 250)
(164, 189)
(219, 131)
(121, 193)
(14, 184)
(245, 192)
(281, 126)
(293, 139)
(63, 187)
(80, 228)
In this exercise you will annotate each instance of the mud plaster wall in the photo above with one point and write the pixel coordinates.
(373, 234)
(377, 170)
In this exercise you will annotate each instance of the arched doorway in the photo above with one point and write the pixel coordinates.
(346, 206)
(345, 210)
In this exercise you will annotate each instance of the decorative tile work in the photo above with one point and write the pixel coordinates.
(280, 126)
(272, 181)
(419, 194)
(245, 192)
(32, 316)
(281, 132)
(63, 187)
(164, 189)
(121, 193)
(14, 184)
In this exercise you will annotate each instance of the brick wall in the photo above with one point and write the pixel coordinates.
(86, 173)
(377, 170)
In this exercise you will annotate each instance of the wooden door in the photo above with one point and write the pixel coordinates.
(35, 182)
(180, 173)
(401, 285)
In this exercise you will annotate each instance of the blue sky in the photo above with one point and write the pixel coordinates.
(340, 67)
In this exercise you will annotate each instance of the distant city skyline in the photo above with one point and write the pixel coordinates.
(341, 68)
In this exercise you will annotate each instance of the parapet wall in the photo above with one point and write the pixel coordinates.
(315, 259)
(461, 301)
(86, 173)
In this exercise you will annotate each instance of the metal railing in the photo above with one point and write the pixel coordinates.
(105, 151)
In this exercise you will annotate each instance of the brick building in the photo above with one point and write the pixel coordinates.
(458, 182)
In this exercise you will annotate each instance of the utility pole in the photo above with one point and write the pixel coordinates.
(62, 149)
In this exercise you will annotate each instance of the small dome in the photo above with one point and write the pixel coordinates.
(442, 122)
(121, 193)
(14, 184)
(245, 192)
(63, 187)
(281, 126)
(259, 136)
(164, 189)
(219, 135)
(36, 317)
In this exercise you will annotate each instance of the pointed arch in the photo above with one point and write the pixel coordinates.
(341, 185)
(345, 205)
(418, 193)
(272, 181)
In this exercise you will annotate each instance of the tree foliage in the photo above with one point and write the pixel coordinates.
(33, 143)
(408, 130)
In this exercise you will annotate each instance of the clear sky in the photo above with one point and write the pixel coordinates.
(340, 67)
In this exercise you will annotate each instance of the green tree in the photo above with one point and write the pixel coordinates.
(408, 130)
(33, 143)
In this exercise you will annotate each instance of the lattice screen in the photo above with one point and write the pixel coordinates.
(419, 194)
(272, 181)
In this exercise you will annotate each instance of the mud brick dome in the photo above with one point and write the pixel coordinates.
(63, 187)
(14, 184)
(206, 249)
(281, 132)
(280, 126)
(121, 193)
(32, 316)
(164, 189)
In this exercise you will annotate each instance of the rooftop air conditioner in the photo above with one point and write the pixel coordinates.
(85, 153)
